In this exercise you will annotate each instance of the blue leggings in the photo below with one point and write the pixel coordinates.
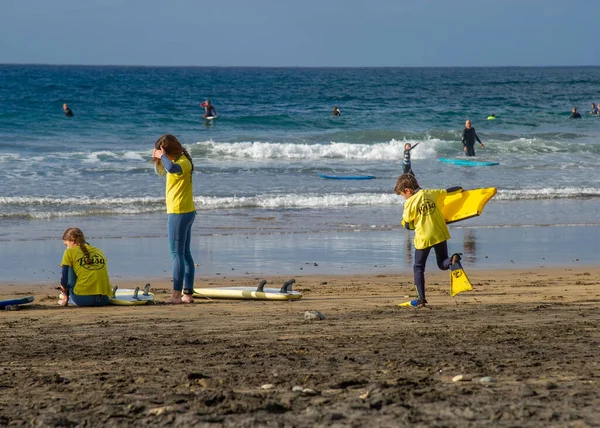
(443, 262)
(180, 236)
(91, 300)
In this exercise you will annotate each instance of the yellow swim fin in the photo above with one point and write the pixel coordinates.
(458, 279)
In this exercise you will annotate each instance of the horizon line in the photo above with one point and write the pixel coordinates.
(296, 66)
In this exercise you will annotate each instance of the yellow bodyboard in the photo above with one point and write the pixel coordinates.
(458, 280)
(464, 204)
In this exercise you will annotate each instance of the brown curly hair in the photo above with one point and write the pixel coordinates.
(406, 181)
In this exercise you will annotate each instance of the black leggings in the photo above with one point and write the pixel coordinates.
(443, 262)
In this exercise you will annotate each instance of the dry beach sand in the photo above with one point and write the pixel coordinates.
(532, 334)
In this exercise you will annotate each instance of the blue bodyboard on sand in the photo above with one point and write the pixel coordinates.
(16, 301)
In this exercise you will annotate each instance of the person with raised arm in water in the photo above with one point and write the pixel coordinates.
(406, 164)
(172, 160)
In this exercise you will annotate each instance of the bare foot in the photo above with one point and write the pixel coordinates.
(175, 298)
(187, 298)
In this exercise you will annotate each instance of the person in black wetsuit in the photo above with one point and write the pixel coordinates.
(209, 110)
(336, 111)
(575, 114)
(468, 139)
(67, 110)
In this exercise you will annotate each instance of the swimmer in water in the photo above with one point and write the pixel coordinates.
(468, 139)
(67, 110)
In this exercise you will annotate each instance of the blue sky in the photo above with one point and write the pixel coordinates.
(313, 33)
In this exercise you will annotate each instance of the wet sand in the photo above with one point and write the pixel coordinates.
(534, 332)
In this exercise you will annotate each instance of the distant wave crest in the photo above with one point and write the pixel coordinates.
(393, 149)
(48, 207)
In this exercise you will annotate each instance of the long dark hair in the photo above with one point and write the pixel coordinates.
(172, 147)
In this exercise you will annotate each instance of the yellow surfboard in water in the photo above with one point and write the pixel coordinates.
(458, 280)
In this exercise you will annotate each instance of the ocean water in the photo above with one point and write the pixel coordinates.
(257, 164)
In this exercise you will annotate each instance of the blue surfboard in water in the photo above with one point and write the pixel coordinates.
(467, 162)
(347, 177)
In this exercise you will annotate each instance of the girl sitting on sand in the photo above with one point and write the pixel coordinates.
(84, 275)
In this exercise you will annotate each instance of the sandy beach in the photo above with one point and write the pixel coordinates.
(532, 334)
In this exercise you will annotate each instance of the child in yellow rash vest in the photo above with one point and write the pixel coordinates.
(84, 274)
(423, 213)
(173, 161)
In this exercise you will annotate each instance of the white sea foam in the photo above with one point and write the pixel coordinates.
(393, 149)
(427, 148)
(77, 201)
(45, 207)
(547, 193)
(48, 207)
(131, 155)
(95, 157)
(296, 201)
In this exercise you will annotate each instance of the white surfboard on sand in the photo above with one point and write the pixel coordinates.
(250, 293)
(128, 296)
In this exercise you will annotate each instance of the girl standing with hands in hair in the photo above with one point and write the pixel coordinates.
(84, 274)
(172, 160)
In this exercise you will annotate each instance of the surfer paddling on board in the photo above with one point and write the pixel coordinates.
(423, 213)
(468, 139)
(209, 110)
